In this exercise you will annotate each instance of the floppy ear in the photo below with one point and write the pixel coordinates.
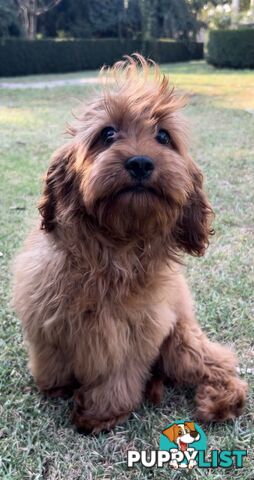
(171, 432)
(58, 185)
(193, 228)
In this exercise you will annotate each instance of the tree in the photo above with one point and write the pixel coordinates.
(30, 10)
(167, 19)
(235, 8)
(176, 19)
(148, 16)
(89, 19)
(146, 19)
(106, 17)
(69, 19)
(9, 20)
(132, 26)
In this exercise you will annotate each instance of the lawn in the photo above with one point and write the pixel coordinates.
(37, 440)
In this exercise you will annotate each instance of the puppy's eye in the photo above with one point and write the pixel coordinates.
(108, 135)
(163, 137)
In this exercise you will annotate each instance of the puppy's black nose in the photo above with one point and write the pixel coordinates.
(139, 167)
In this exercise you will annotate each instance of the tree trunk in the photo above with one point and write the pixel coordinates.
(235, 12)
(30, 10)
(29, 18)
(32, 26)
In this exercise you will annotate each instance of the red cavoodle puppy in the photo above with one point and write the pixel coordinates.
(98, 285)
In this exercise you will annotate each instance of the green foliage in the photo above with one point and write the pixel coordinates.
(116, 18)
(23, 57)
(146, 19)
(166, 51)
(9, 21)
(176, 19)
(68, 19)
(106, 17)
(231, 48)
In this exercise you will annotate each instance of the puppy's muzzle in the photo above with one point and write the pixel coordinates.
(139, 167)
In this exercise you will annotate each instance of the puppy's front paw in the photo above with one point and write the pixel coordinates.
(89, 424)
(221, 401)
(88, 417)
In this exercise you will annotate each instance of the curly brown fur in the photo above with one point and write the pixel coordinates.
(98, 285)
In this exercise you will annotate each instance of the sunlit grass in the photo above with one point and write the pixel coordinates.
(227, 87)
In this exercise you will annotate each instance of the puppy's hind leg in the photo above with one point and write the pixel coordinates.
(51, 371)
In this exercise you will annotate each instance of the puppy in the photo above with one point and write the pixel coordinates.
(98, 285)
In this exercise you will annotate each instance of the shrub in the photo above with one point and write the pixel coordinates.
(166, 51)
(24, 57)
(231, 48)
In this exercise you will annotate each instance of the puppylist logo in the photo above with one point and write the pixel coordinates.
(183, 445)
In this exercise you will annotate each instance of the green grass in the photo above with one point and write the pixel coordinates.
(37, 440)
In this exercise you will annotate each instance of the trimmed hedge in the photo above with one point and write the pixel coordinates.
(24, 57)
(231, 48)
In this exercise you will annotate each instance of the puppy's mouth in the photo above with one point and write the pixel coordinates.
(138, 189)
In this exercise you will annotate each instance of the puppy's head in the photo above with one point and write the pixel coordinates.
(127, 168)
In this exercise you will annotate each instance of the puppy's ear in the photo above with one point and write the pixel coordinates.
(57, 187)
(193, 227)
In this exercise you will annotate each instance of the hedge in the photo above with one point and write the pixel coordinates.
(24, 57)
(231, 48)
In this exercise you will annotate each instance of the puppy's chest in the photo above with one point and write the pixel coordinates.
(115, 335)
(121, 313)
(120, 280)
(116, 331)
